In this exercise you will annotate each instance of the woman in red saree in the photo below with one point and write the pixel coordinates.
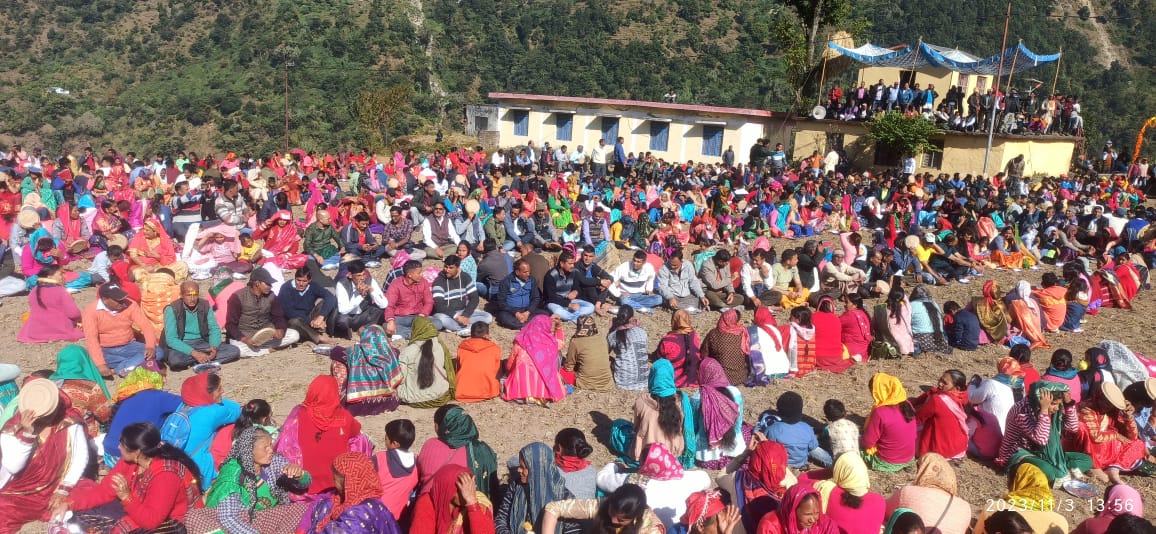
(281, 241)
(291, 185)
(318, 431)
(47, 451)
(829, 338)
(1128, 276)
(151, 249)
(1026, 314)
(1109, 435)
(940, 415)
(71, 233)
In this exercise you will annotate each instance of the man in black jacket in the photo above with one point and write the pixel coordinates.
(560, 290)
(593, 281)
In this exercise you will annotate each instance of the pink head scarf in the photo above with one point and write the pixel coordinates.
(719, 411)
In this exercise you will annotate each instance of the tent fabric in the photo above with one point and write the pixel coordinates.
(931, 56)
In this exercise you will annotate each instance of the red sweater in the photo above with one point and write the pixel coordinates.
(158, 494)
(479, 519)
(942, 431)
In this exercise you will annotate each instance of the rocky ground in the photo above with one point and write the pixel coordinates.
(281, 379)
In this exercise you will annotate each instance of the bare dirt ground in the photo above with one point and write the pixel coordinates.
(282, 378)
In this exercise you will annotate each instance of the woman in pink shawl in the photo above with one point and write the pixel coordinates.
(533, 364)
(281, 241)
(720, 417)
(216, 246)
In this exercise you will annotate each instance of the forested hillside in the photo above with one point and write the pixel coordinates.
(163, 74)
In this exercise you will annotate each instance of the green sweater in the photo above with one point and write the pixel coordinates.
(228, 482)
(321, 241)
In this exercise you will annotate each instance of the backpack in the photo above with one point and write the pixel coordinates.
(177, 428)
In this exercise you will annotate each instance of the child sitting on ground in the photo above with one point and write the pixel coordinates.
(396, 466)
(840, 433)
(796, 436)
(250, 248)
(1023, 354)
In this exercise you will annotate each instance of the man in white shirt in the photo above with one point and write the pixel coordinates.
(598, 159)
(360, 301)
(842, 276)
(578, 160)
(633, 284)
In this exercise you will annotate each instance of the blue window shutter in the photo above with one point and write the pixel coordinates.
(521, 122)
(712, 138)
(659, 135)
(565, 125)
(610, 129)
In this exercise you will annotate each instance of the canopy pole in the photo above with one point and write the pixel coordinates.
(1059, 62)
(1013, 71)
(915, 60)
(999, 74)
(823, 75)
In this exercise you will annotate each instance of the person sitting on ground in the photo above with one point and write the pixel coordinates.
(889, 436)
(856, 328)
(1023, 354)
(839, 275)
(519, 297)
(317, 431)
(409, 297)
(625, 508)
(1119, 500)
(891, 321)
(1052, 298)
(1109, 435)
(439, 236)
(730, 343)
(478, 362)
(191, 333)
(795, 434)
(846, 496)
(681, 347)
(216, 247)
(593, 281)
(627, 342)
(397, 466)
(533, 370)
(308, 307)
(52, 314)
(800, 511)
(990, 401)
(560, 290)
(830, 354)
(665, 482)
(79, 380)
(941, 417)
(570, 453)
(719, 419)
(587, 357)
(359, 241)
(787, 282)
(360, 301)
(456, 443)
(1061, 370)
(494, 267)
(151, 249)
(322, 244)
(281, 241)
(455, 299)
(840, 435)
(679, 286)
(355, 507)
(934, 494)
(254, 310)
(927, 323)
(961, 326)
(453, 504)
(1034, 428)
(427, 367)
(398, 235)
(1029, 495)
(718, 284)
(633, 284)
(538, 482)
(110, 324)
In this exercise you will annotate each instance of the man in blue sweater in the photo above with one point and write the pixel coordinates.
(307, 306)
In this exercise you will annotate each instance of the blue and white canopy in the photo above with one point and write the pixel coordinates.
(931, 56)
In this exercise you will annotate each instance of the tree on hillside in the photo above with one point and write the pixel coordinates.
(798, 32)
(376, 109)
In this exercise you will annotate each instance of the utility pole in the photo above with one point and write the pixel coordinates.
(995, 105)
(287, 65)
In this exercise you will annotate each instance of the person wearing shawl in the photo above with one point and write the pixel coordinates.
(993, 317)
(1033, 430)
(282, 241)
(356, 507)
(427, 368)
(52, 314)
(151, 249)
(855, 328)
(768, 352)
(666, 484)
(1062, 371)
(681, 347)
(1052, 298)
(81, 382)
(941, 417)
(317, 431)
(890, 433)
(1030, 495)
(991, 399)
(1119, 499)
(846, 496)
(457, 443)
(453, 505)
(934, 495)
(251, 492)
(904, 521)
(1025, 312)
(891, 321)
(214, 247)
(830, 354)
(587, 357)
(799, 513)
(706, 513)
(538, 483)
(664, 415)
(757, 479)
(368, 374)
(729, 343)
(719, 418)
(71, 230)
(1108, 433)
(533, 364)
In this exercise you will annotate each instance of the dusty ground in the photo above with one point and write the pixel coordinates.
(282, 378)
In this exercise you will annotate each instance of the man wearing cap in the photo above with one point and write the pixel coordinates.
(439, 235)
(840, 275)
(398, 235)
(408, 297)
(360, 301)
(360, 242)
(192, 335)
(255, 321)
(108, 325)
(455, 300)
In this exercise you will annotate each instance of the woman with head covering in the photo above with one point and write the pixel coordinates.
(217, 246)
(706, 513)
(889, 436)
(1029, 495)
(757, 479)
(665, 416)
(800, 513)
(681, 347)
(457, 443)
(45, 435)
(628, 345)
(81, 382)
(1026, 314)
(828, 333)
(768, 351)
(586, 357)
(927, 323)
(905, 521)
(251, 492)
(317, 431)
(719, 419)
(1033, 430)
(533, 364)
(282, 242)
(666, 484)
(154, 482)
(847, 498)
(891, 320)
(151, 248)
(72, 231)
(1119, 499)
(356, 507)
(993, 317)
(372, 374)
(1108, 433)
(538, 483)
(52, 314)
(991, 400)
(935, 496)
(729, 343)
(202, 400)
(941, 417)
(453, 505)
(427, 368)
(570, 453)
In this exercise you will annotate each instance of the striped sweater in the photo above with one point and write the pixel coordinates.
(458, 296)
